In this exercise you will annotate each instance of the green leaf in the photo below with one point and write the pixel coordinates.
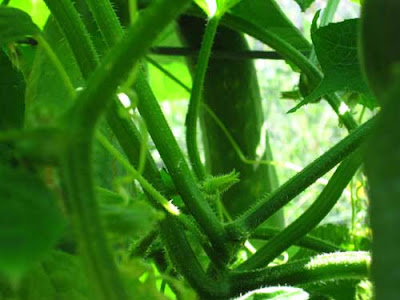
(164, 88)
(15, 25)
(30, 221)
(132, 219)
(304, 4)
(46, 95)
(336, 48)
(12, 94)
(59, 276)
(267, 15)
(281, 292)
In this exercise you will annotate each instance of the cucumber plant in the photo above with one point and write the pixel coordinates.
(87, 212)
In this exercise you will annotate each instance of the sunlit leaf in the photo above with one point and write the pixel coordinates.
(164, 87)
(15, 25)
(336, 48)
(37, 9)
(30, 221)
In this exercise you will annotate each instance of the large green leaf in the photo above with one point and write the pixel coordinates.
(46, 95)
(336, 48)
(15, 25)
(267, 15)
(59, 276)
(30, 221)
(132, 219)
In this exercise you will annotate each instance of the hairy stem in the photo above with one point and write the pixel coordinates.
(308, 241)
(76, 171)
(325, 267)
(71, 24)
(121, 59)
(298, 183)
(82, 119)
(185, 261)
(164, 139)
(177, 166)
(309, 219)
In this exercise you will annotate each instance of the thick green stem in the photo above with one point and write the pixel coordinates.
(174, 160)
(308, 241)
(106, 20)
(325, 267)
(267, 206)
(309, 219)
(71, 24)
(121, 59)
(124, 129)
(76, 171)
(196, 96)
(82, 119)
(185, 261)
(164, 139)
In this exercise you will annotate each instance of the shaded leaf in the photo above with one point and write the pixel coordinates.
(15, 25)
(30, 221)
(46, 95)
(267, 15)
(47, 98)
(336, 48)
(12, 94)
(127, 220)
(59, 276)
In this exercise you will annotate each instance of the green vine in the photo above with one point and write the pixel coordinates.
(309, 219)
(267, 206)
(196, 95)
